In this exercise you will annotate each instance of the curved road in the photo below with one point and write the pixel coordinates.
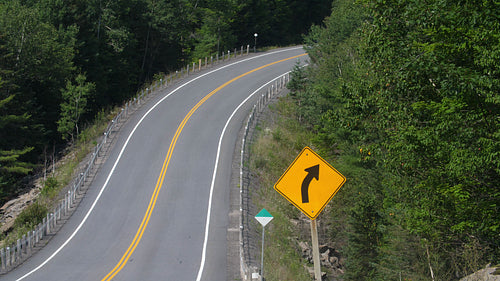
(158, 208)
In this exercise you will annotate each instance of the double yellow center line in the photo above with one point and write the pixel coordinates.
(138, 236)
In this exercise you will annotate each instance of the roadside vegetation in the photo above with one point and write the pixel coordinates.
(57, 177)
(277, 139)
(402, 97)
(63, 62)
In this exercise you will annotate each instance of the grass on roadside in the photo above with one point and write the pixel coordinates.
(278, 140)
(64, 173)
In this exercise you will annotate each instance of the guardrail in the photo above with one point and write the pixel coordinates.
(14, 254)
(251, 272)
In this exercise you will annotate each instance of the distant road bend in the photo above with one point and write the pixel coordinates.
(158, 208)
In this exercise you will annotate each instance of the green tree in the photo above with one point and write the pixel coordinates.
(280, 23)
(74, 105)
(12, 164)
(413, 90)
(438, 103)
(214, 35)
(169, 35)
(40, 60)
(12, 155)
(365, 238)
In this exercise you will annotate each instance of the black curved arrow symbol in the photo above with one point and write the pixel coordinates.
(312, 172)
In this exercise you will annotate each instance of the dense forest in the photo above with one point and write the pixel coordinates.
(404, 96)
(64, 61)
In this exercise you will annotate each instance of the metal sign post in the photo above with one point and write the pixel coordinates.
(262, 256)
(264, 217)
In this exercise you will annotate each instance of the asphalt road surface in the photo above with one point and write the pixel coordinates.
(158, 208)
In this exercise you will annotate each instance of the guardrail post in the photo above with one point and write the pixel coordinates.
(13, 254)
(37, 233)
(19, 249)
(47, 220)
(63, 205)
(28, 242)
(2, 258)
(52, 221)
(23, 244)
(66, 203)
(70, 196)
(7, 257)
(41, 231)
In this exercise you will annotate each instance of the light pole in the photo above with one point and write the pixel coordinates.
(255, 44)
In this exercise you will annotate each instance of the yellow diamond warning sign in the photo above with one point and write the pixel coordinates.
(309, 183)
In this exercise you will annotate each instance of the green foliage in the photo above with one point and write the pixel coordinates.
(13, 164)
(408, 91)
(270, 154)
(46, 45)
(50, 188)
(74, 105)
(10, 163)
(214, 35)
(37, 59)
(31, 216)
(278, 22)
(365, 237)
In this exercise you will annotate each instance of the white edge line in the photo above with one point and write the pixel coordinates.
(207, 225)
(121, 153)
